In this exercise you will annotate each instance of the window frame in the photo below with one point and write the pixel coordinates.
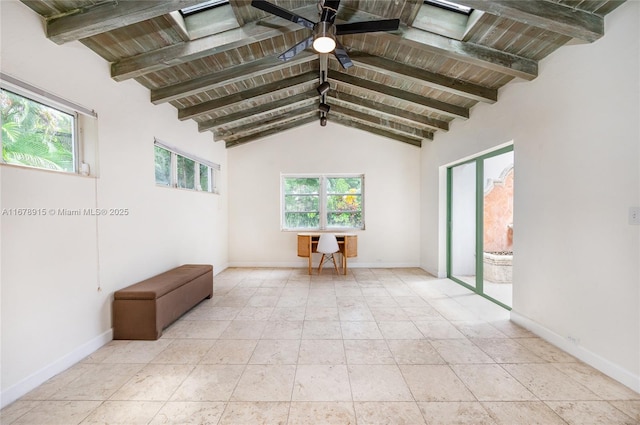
(213, 170)
(478, 189)
(323, 196)
(49, 100)
(201, 7)
(450, 6)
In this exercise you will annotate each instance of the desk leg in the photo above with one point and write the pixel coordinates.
(310, 262)
(344, 264)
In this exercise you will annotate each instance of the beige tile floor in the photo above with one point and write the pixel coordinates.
(379, 346)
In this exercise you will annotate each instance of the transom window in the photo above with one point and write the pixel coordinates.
(322, 202)
(176, 169)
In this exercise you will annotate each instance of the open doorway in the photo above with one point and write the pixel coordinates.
(480, 224)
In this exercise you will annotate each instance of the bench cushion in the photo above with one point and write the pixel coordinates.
(159, 285)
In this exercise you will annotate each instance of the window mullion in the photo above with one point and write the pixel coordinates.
(174, 169)
(77, 154)
(323, 203)
(196, 175)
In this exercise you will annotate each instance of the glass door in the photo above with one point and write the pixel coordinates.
(480, 224)
(462, 223)
(497, 220)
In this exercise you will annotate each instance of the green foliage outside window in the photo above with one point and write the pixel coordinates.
(344, 202)
(176, 170)
(186, 173)
(36, 135)
(163, 166)
(302, 203)
(204, 177)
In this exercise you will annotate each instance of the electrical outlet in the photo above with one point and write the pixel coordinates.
(634, 215)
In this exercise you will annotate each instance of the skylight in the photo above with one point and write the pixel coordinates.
(210, 4)
(449, 5)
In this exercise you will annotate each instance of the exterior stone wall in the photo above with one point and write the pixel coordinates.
(498, 214)
(498, 268)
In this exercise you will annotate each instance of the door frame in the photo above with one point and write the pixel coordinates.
(479, 191)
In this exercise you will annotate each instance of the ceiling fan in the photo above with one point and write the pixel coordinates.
(323, 38)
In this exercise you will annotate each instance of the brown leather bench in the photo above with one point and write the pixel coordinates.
(144, 309)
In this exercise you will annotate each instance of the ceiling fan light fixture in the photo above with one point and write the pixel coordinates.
(324, 88)
(323, 121)
(323, 107)
(324, 40)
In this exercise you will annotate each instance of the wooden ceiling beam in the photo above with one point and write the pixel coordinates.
(550, 16)
(396, 114)
(425, 78)
(431, 43)
(237, 118)
(381, 123)
(474, 54)
(264, 125)
(156, 60)
(235, 74)
(254, 94)
(272, 131)
(433, 105)
(176, 54)
(83, 23)
(349, 122)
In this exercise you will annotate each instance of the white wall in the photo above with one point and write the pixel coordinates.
(392, 194)
(577, 156)
(59, 273)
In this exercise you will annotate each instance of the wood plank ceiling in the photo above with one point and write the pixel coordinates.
(220, 68)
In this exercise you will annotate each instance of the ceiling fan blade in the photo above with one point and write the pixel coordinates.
(329, 10)
(368, 26)
(282, 13)
(341, 54)
(298, 48)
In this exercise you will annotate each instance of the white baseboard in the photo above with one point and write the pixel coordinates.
(267, 264)
(16, 391)
(305, 264)
(440, 274)
(385, 265)
(605, 366)
(220, 268)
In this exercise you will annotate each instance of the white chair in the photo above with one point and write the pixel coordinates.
(328, 246)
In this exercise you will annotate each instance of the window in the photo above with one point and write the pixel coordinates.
(174, 168)
(301, 203)
(163, 166)
(37, 135)
(186, 173)
(42, 130)
(205, 172)
(322, 202)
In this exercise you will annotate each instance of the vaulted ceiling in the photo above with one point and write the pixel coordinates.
(220, 67)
